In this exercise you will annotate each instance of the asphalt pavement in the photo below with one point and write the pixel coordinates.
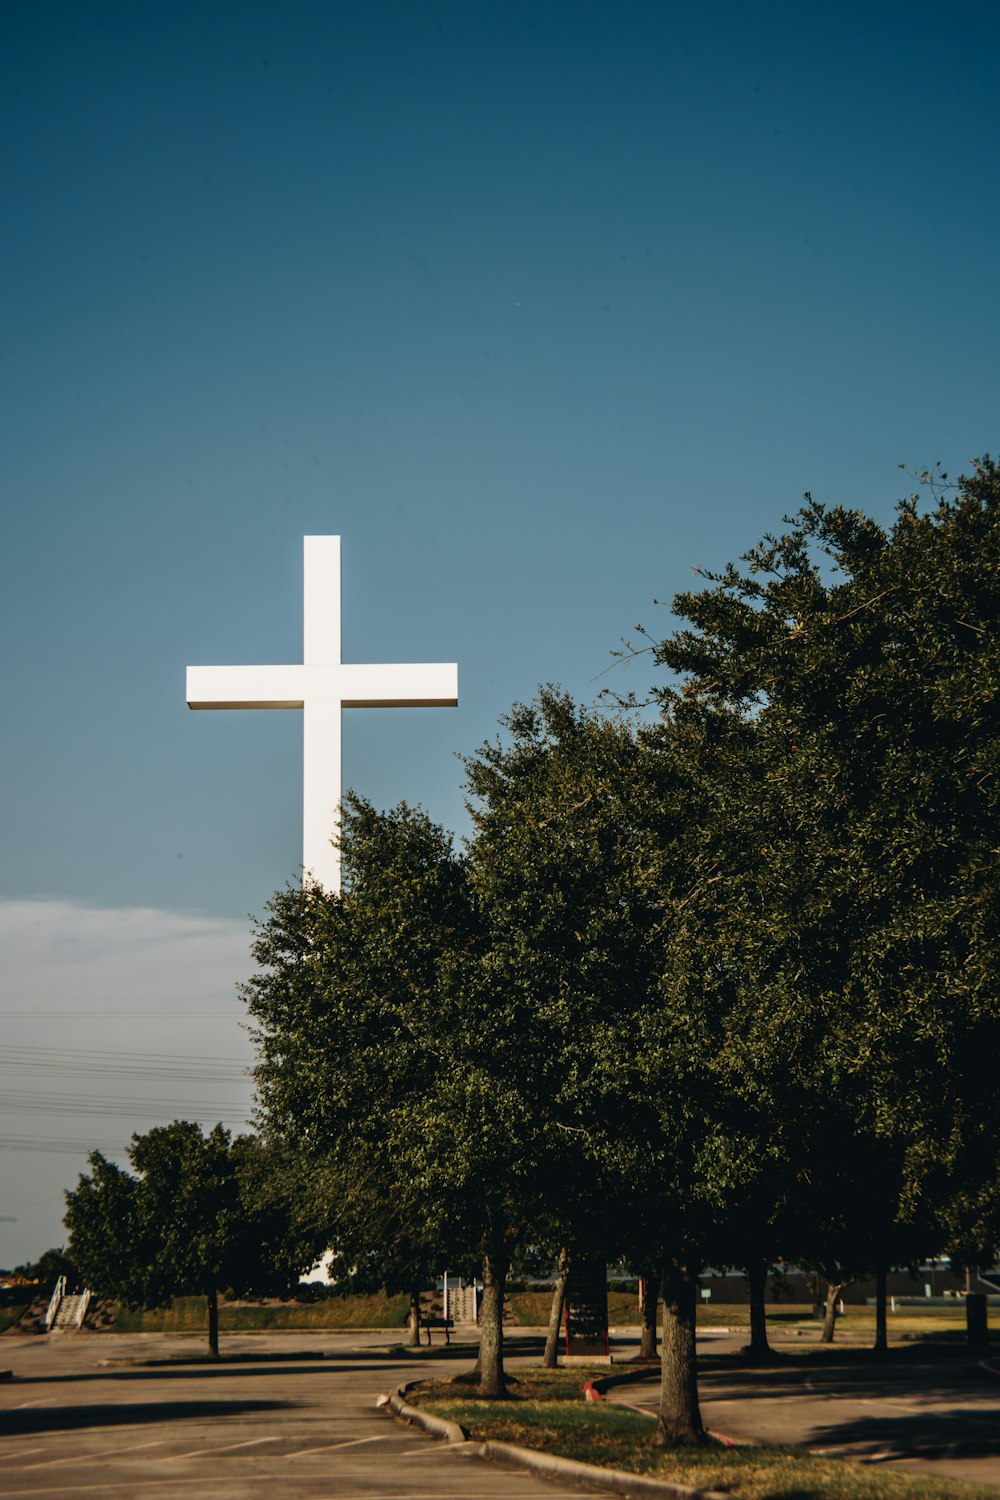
(923, 1409)
(286, 1429)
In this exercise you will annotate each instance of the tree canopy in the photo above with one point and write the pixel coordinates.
(866, 660)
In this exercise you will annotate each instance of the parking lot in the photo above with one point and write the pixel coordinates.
(295, 1415)
(297, 1427)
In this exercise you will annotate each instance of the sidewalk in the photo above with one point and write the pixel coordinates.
(928, 1411)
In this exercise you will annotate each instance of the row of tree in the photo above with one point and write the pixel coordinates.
(714, 985)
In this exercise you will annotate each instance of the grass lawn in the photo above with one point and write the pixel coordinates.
(548, 1411)
(532, 1309)
(190, 1315)
(855, 1321)
(11, 1313)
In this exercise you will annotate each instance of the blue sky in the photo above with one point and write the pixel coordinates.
(537, 305)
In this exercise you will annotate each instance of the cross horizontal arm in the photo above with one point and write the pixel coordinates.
(246, 687)
(405, 685)
(353, 685)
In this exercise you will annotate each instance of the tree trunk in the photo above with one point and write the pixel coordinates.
(649, 1298)
(551, 1357)
(977, 1326)
(834, 1290)
(414, 1320)
(679, 1420)
(213, 1322)
(881, 1345)
(758, 1346)
(491, 1372)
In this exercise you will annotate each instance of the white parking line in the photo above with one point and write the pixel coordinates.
(83, 1459)
(462, 1450)
(331, 1447)
(252, 1479)
(173, 1485)
(170, 1458)
(884, 1401)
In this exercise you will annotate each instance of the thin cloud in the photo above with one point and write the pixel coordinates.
(114, 1019)
(74, 956)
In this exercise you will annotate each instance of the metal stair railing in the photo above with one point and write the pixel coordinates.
(81, 1310)
(58, 1294)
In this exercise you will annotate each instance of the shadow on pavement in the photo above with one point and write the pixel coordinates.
(903, 1373)
(34, 1420)
(191, 1373)
(926, 1435)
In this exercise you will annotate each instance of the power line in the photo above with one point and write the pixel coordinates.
(64, 1146)
(111, 1063)
(76, 1002)
(60, 1145)
(143, 1108)
(165, 1013)
(101, 1052)
(123, 998)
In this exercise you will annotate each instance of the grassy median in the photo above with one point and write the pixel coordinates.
(10, 1314)
(548, 1411)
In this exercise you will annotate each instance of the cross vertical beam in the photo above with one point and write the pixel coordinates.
(322, 739)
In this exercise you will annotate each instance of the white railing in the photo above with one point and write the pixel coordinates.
(57, 1296)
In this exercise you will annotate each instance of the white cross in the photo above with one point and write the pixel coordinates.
(321, 687)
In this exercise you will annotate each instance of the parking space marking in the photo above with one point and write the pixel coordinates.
(885, 1401)
(462, 1450)
(83, 1459)
(330, 1447)
(170, 1458)
(246, 1479)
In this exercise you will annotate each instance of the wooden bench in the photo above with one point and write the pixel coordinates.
(446, 1323)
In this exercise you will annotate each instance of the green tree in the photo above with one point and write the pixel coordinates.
(192, 1217)
(563, 864)
(866, 660)
(48, 1268)
(386, 1048)
(352, 1206)
(591, 866)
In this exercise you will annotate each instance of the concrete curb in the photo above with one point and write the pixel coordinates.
(617, 1481)
(594, 1389)
(437, 1426)
(591, 1476)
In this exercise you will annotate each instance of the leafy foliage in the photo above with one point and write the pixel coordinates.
(866, 662)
